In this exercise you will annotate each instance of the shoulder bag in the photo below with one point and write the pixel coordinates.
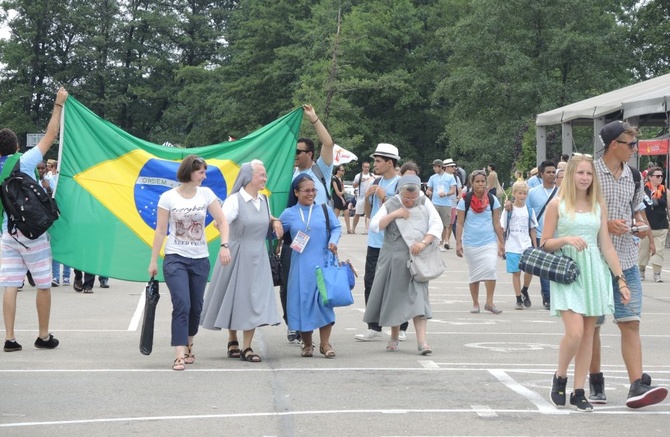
(554, 267)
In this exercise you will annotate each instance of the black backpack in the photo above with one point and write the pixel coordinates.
(29, 208)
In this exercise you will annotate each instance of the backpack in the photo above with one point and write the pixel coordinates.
(29, 208)
(509, 217)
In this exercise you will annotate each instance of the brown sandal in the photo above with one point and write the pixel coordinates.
(189, 358)
(178, 364)
(329, 352)
(235, 351)
(249, 355)
(307, 351)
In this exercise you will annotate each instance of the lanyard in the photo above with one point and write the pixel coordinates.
(309, 217)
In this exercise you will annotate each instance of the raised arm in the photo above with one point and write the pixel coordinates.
(54, 123)
(321, 131)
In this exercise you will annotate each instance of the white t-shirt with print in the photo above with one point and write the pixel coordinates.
(519, 237)
(186, 226)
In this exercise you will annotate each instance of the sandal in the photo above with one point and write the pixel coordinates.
(249, 355)
(424, 349)
(475, 309)
(329, 352)
(350, 232)
(492, 309)
(235, 352)
(189, 358)
(78, 285)
(178, 364)
(88, 291)
(307, 351)
(392, 345)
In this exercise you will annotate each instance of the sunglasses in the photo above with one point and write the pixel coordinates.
(585, 155)
(299, 151)
(632, 144)
(656, 176)
(199, 159)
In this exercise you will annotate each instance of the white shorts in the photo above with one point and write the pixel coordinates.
(17, 260)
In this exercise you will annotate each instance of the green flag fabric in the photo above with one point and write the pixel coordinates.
(109, 184)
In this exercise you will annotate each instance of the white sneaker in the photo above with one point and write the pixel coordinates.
(657, 277)
(442, 249)
(402, 336)
(369, 335)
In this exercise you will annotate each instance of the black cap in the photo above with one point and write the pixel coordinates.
(611, 131)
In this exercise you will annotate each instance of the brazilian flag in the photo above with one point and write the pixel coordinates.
(109, 184)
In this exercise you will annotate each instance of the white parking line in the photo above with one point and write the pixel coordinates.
(139, 311)
(542, 405)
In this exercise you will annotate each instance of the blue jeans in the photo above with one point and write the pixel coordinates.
(544, 284)
(186, 279)
(55, 270)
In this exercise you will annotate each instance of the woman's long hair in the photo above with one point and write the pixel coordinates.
(568, 190)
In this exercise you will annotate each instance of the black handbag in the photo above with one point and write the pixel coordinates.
(275, 267)
(147, 336)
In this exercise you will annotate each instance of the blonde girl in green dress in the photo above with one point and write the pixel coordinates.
(576, 223)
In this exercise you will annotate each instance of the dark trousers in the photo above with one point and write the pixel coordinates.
(89, 279)
(544, 284)
(371, 259)
(285, 259)
(186, 279)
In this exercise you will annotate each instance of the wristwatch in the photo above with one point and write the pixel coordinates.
(621, 278)
(226, 245)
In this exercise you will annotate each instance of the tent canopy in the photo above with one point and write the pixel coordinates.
(649, 97)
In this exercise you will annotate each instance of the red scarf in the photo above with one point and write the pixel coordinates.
(479, 205)
(658, 192)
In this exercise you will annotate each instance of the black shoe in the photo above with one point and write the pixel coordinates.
(104, 282)
(526, 298)
(642, 394)
(597, 388)
(30, 278)
(78, 285)
(546, 304)
(578, 400)
(12, 346)
(51, 343)
(557, 393)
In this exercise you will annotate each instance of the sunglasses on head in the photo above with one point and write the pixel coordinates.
(585, 155)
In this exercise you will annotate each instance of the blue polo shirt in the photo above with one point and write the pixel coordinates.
(446, 181)
(376, 239)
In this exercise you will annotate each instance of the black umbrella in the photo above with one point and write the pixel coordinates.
(152, 296)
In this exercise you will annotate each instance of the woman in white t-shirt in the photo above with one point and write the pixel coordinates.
(186, 262)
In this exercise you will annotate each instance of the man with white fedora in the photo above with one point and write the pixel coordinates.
(385, 159)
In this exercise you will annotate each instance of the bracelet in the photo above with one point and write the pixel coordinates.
(58, 104)
(621, 278)
(313, 122)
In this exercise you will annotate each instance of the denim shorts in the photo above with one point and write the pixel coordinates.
(632, 311)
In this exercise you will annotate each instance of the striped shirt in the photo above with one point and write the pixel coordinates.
(621, 200)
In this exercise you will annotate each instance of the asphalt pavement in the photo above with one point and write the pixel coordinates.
(488, 375)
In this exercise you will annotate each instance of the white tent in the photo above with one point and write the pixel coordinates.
(647, 102)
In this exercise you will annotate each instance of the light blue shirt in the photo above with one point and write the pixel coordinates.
(446, 181)
(327, 170)
(537, 198)
(533, 182)
(376, 239)
(28, 163)
(478, 228)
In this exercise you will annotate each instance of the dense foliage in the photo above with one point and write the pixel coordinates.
(437, 78)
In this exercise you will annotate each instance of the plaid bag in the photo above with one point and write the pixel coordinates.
(547, 265)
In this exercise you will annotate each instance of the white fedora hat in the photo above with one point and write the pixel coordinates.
(386, 150)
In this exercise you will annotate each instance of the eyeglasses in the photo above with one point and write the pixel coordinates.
(299, 151)
(309, 191)
(632, 144)
(585, 155)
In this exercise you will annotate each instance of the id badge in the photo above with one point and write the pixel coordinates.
(300, 242)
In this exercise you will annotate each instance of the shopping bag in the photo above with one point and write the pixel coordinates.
(147, 336)
(334, 282)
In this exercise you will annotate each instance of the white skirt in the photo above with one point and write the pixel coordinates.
(482, 262)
